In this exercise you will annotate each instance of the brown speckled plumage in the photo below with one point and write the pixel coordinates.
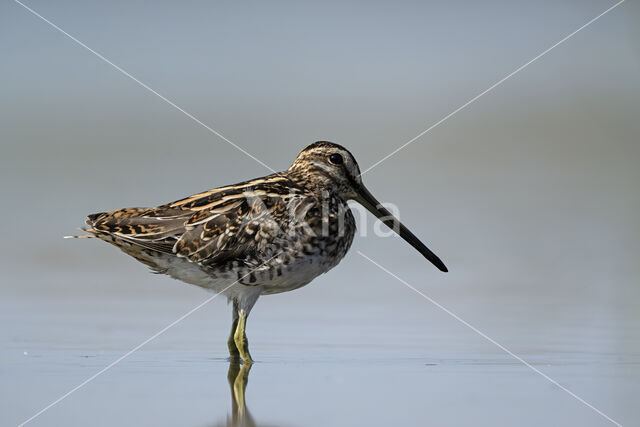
(267, 235)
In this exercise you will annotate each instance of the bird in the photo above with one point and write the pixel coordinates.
(259, 237)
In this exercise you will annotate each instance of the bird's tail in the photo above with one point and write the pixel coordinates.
(84, 236)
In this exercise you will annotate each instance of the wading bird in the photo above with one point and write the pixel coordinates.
(265, 236)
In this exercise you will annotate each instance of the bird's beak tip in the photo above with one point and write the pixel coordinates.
(440, 266)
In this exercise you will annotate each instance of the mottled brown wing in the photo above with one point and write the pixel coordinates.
(152, 228)
(212, 227)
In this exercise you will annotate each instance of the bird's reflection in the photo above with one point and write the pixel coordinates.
(238, 376)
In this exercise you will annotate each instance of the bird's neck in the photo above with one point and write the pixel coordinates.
(311, 178)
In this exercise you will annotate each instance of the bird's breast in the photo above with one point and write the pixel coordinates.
(313, 252)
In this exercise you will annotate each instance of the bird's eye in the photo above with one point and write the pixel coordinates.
(336, 159)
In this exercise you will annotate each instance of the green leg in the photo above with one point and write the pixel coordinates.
(240, 338)
(234, 354)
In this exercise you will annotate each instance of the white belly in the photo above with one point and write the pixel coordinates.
(295, 275)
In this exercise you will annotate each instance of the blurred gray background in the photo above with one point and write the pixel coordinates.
(530, 196)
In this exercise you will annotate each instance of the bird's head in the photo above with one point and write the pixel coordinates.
(326, 166)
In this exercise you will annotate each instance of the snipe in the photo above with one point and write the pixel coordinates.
(265, 236)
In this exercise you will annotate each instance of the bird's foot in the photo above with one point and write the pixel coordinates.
(243, 350)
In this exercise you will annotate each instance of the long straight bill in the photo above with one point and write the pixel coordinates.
(367, 200)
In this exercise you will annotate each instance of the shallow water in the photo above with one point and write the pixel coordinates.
(318, 362)
(189, 388)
